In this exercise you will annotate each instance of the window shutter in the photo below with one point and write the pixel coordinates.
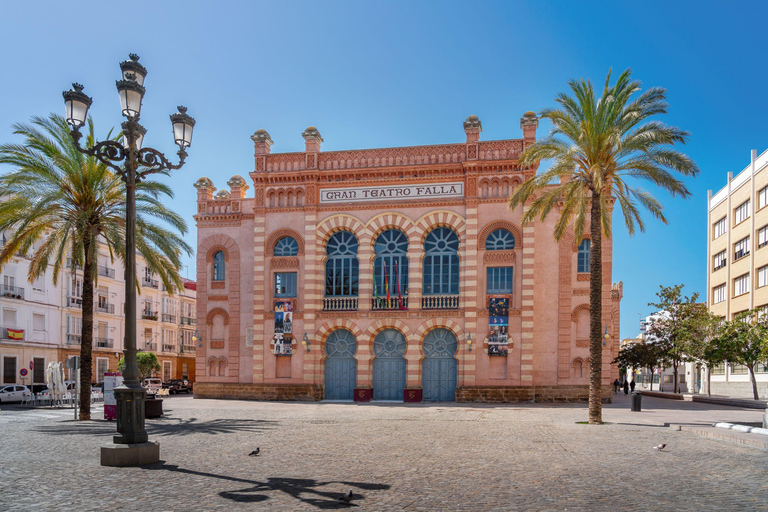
(9, 318)
(38, 322)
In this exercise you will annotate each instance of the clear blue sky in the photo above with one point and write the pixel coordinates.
(373, 74)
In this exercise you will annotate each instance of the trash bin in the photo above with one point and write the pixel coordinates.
(637, 401)
(153, 407)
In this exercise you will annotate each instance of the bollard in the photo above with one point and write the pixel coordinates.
(637, 401)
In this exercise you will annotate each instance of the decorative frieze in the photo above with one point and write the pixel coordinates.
(284, 262)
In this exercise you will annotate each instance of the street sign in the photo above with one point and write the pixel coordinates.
(73, 363)
(23, 372)
(31, 365)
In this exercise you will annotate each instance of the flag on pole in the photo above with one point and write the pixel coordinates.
(376, 300)
(16, 334)
(386, 282)
(399, 296)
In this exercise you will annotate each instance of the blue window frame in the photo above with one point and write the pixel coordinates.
(500, 240)
(391, 261)
(499, 280)
(286, 246)
(285, 284)
(218, 266)
(441, 262)
(583, 257)
(341, 267)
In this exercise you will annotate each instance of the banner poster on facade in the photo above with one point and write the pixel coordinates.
(111, 381)
(283, 327)
(498, 326)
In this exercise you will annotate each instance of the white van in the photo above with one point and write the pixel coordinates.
(153, 385)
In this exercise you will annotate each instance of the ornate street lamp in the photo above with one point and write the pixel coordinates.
(126, 160)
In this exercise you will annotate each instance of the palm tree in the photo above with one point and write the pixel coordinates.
(600, 147)
(59, 203)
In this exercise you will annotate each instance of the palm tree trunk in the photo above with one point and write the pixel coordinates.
(754, 382)
(595, 315)
(86, 340)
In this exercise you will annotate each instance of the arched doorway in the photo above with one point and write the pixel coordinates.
(438, 368)
(340, 365)
(389, 365)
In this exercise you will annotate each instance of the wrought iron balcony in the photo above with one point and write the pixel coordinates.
(150, 347)
(152, 283)
(169, 347)
(393, 303)
(186, 320)
(169, 318)
(74, 302)
(106, 272)
(11, 292)
(103, 342)
(73, 339)
(440, 301)
(149, 315)
(187, 349)
(340, 304)
(104, 307)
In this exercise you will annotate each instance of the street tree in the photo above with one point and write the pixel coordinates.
(147, 362)
(700, 343)
(744, 340)
(600, 147)
(59, 203)
(641, 355)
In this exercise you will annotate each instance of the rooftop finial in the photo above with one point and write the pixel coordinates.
(133, 57)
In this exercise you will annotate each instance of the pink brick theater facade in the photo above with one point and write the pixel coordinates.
(481, 307)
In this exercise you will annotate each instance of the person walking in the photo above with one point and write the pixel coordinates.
(632, 385)
(616, 385)
(626, 387)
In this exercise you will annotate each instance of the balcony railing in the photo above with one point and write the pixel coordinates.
(73, 339)
(149, 315)
(440, 301)
(169, 318)
(11, 292)
(340, 304)
(103, 342)
(74, 302)
(106, 272)
(150, 347)
(187, 349)
(186, 320)
(69, 264)
(104, 307)
(169, 347)
(393, 303)
(152, 283)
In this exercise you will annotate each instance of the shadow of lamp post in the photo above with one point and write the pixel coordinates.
(132, 163)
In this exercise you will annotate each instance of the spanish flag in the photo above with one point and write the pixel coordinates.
(16, 334)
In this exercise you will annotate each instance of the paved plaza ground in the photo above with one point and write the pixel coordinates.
(394, 457)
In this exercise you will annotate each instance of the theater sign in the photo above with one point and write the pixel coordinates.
(388, 193)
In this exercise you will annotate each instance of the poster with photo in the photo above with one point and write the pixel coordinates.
(283, 338)
(498, 326)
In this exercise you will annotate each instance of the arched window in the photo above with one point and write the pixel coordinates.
(500, 240)
(441, 262)
(583, 258)
(341, 268)
(218, 266)
(286, 246)
(390, 270)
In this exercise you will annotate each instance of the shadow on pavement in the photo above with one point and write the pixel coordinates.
(162, 427)
(294, 487)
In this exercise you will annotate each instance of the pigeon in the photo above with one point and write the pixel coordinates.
(346, 498)
(660, 447)
(254, 453)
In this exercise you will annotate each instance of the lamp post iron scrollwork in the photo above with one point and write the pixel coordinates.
(132, 163)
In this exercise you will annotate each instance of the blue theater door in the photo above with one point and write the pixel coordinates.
(340, 365)
(389, 365)
(438, 368)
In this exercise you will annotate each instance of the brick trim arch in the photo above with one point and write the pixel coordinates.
(322, 332)
(280, 233)
(576, 310)
(216, 311)
(584, 236)
(380, 325)
(390, 220)
(440, 323)
(213, 250)
(340, 222)
(499, 224)
(441, 218)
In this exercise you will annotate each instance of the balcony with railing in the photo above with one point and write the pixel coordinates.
(169, 318)
(106, 272)
(186, 320)
(148, 314)
(449, 301)
(169, 347)
(11, 292)
(73, 339)
(69, 264)
(393, 303)
(187, 349)
(104, 307)
(340, 304)
(103, 342)
(148, 281)
(150, 347)
(74, 302)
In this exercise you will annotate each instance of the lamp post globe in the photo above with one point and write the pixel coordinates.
(76, 104)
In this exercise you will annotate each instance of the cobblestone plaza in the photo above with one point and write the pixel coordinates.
(393, 456)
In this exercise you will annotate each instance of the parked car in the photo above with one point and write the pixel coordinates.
(14, 393)
(178, 386)
(153, 385)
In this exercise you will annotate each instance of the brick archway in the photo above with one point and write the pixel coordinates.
(499, 224)
(340, 222)
(575, 312)
(441, 218)
(280, 233)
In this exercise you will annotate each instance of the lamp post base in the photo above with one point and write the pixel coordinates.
(125, 455)
(130, 415)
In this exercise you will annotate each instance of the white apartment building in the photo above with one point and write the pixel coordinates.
(737, 259)
(48, 319)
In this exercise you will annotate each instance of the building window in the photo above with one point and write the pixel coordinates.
(38, 322)
(38, 370)
(499, 280)
(762, 197)
(741, 285)
(9, 370)
(184, 370)
(286, 246)
(166, 371)
(342, 268)
(741, 213)
(762, 276)
(741, 248)
(718, 294)
(582, 264)
(719, 261)
(762, 236)
(500, 240)
(738, 369)
(718, 369)
(285, 284)
(218, 266)
(441, 262)
(102, 367)
(390, 268)
(720, 227)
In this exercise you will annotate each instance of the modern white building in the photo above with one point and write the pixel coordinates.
(47, 319)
